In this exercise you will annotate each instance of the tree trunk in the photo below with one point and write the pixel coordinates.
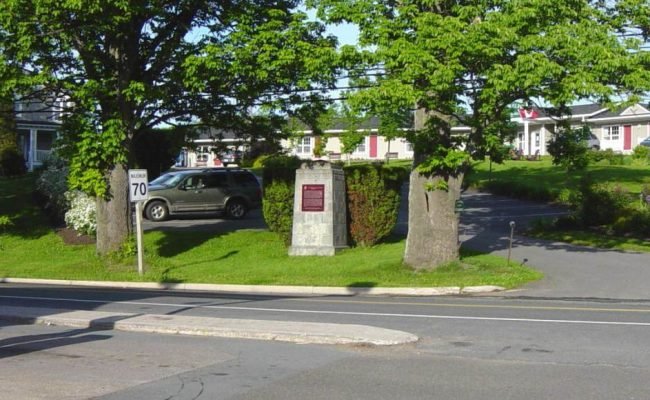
(432, 238)
(114, 215)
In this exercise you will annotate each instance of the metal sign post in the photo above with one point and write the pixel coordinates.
(138, 193)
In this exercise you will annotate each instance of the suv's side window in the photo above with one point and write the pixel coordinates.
(216, 180)
(194, 182)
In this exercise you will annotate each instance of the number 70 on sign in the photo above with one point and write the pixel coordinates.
(138, 185)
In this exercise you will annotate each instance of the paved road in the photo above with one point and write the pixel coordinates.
(470, 348)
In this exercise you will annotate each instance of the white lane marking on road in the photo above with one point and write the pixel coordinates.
(365, 314)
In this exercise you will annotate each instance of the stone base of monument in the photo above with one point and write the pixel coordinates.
(315, 250)
(319, 214)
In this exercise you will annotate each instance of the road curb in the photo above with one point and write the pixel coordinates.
(266, 289)
(285, 331)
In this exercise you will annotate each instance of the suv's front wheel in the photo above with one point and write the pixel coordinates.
(156, 211)
(236, 209)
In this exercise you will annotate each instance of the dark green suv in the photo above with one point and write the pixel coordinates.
(216, 190)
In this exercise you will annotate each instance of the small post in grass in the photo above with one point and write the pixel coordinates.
(138, 235)
(512, 234)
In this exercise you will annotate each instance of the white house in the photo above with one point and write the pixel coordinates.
(37, 126)
(619, 130)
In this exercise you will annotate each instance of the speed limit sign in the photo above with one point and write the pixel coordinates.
(138, 185)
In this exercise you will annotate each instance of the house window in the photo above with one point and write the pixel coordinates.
(537, 136)
(304, 145)
(610, 132)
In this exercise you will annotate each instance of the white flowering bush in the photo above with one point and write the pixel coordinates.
(82, 212)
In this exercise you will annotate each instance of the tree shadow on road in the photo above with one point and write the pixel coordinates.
(16, 346)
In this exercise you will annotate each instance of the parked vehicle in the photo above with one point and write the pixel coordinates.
(229, 191)
(593, 142)
(231, 157)
(645, 142)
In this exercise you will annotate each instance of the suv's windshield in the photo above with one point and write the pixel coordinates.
(167, 180)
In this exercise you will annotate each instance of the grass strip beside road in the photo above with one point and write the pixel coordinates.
(29, 248)
(248, 257)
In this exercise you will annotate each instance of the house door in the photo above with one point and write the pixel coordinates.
(627, 137)
(373, 146)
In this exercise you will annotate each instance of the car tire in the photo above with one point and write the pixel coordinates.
(156, 211)
(236, 209)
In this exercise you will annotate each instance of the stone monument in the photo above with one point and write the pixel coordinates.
(319, 210)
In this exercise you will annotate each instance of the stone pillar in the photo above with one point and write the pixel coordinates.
(319, 211)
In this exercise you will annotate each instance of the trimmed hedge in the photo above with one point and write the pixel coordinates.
(373, 203)
(279, 178)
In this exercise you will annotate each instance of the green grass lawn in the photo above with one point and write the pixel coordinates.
(543, 176)
(31, 249)
(592, 239)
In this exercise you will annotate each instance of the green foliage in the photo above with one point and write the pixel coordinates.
(12, 162)
(279, 177)
(641, 153)
(599, 204)
(5, 222)
(280, 168)
(569, 148)
(259, 161)
(373, 204)
(350, 140)
(92, 151)
(277, 208)
(52, 185)
(156, 150)
(520, 190)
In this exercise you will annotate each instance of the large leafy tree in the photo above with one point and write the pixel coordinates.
(127, 66)
(466, 63)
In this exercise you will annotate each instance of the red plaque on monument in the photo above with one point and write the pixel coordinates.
(313, 197)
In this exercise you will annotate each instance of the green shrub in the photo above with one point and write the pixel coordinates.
(12, 162)
(373, 203)
(277, 208)
(5, 222)
(599, 204)
(282, 168)
(52, 185)
(641, 153)
(520, 191)
(259, 161)
(279, 178)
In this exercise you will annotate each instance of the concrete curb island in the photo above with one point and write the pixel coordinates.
(285, 331)
(265, 289)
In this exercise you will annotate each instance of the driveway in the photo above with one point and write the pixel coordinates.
(570, 271)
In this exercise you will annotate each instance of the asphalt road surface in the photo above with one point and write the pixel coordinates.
(469, 348)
